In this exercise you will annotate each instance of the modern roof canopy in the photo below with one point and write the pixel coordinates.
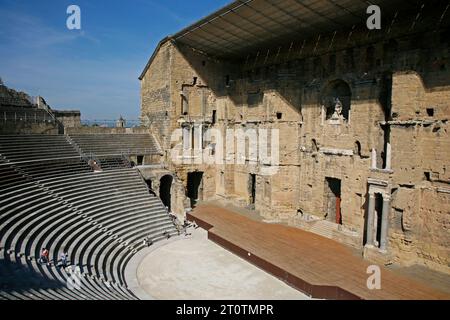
(245, 26)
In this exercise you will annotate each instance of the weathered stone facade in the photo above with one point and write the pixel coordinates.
(10, 97)
(68, 118)
(370, 169)
(21, 113)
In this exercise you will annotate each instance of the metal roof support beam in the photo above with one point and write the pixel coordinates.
(256, 24)
(346, 10)
(317, 13)
(417, 17)
(289, 51)
(302, 47)
(239, 27)
(267, 56)
(201, 45)
(218, 36)
(256, 59)
(287, 13)
(232, 33)
(443, 14)
(332, 41)
(317, 44)
(278, 53)
(192, 28)
(392, 23)
(267, 17)
(350, 33)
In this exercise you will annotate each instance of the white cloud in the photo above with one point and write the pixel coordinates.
(25, 32)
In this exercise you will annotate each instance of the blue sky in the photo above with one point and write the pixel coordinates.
(94, 69)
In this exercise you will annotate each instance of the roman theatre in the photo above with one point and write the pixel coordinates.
(284, 150)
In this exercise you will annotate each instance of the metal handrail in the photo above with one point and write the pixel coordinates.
(27, 116)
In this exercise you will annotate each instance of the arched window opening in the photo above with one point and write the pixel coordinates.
(165, 186)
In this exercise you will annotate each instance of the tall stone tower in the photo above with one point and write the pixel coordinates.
(120, 123)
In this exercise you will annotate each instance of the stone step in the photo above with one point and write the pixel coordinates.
(323, 228)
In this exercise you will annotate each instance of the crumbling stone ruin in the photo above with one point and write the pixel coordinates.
(22, 113)
(362, 117)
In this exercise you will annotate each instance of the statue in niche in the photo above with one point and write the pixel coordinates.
(337, 114)
(337, 99)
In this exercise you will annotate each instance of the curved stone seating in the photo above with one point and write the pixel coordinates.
(54, 168)
(99, 218)
(17, 148)
(120, 205)
(113, 162)
(115, 144)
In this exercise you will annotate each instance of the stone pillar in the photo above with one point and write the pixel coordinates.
(199, 137)
(203, 103)
(375, 227)
(374, 158)
(370, 216)
(186, 137)
(384, 222)
(198, 142)
(388, 156)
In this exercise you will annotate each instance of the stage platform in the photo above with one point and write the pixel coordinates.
(317, 266)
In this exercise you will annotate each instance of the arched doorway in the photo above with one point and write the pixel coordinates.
(165, 185)
(195, 187)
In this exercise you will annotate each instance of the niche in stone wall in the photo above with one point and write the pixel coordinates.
(336, 100)
(349, 60)
(370, 58)
(317, 67)
(184, 101)
(357, 149)
(314, 146)
(254, 98)
(390, 51)
(332, 63)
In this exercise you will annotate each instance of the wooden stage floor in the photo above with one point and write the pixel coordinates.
(318, 266)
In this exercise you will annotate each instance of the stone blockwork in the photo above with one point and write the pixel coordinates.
(370, 168)
(19, 114)
(105, 130)
(68, 118)
(11, 97)
(28, 128)
(23, 114)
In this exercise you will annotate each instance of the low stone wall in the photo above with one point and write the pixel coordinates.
(68, 118)
(103, 130)
(11, 97)
(23, 127)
